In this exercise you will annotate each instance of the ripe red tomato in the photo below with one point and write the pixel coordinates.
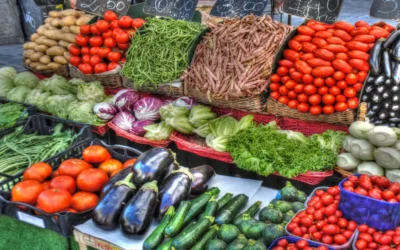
(315, 110)
(274, 94)
(365, 236)
(327, 239)
(303, 107)
(74, 50)
(274, 86)
(122, 37)
(299, 88)
(352, 225)
(350, 92)
(330, 82)
(129, 163)
(284, 79)
(64, 182)
(330, 229)
(362, 75)
(352, 103)
(54, 200)
(307, 79)
(94, 50)
(314, 99)
(282, 71)
(283, 100)
(81, 40)
(282, 242)
(75, 60)
(310, 89)
(301, 244)
(303, 98)
(95, 60)
(96, 41)
(334, 90)
(341, 84)
(38, 172)
(94, 30)
(361, 244)
(290, 84)
(323, 90)
(85, 29)
(137, 23)
(110, 165)
(339, 239)
(328, 99)
(86, 58)
(125, 22)
(113, 65)
(95, 154)
(341, 98)
(114, 24)
(358, 87)
(327, 199)
(102, 25)
(275, 78)
(386, 194)
(351, 78)
(123, 46)
(114, 56)
(338, 75)
(73, 167)
(292, 94)
(110, 42)
(319, 82)
(100, 68)
(103, 52)
(92, 180)
(106, 34)
(110, 16)
(26, 191)
(82, 201)
(293, 104)
(85, 50)
(341, 107)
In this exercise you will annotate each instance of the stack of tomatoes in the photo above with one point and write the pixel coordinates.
(101, 46)
(376, 187)
(283, 244)
(322, 221)
(324, 66)
(370, 238)
(73, 187)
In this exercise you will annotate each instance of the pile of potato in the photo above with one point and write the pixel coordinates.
(48, 48)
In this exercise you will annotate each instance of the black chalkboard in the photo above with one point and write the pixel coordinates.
(238, 8)
(98, 7)
(386, 9)
(177, 9)
(49, 2)
(325, 11)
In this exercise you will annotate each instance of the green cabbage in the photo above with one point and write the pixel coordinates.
(158, 131)
(37, 98)
(57, 85)
(8, 72)
(6, 84)
(92, 91)
(172, 111)
(200, 115)
(27, 79)
(202, 131)
(57, 104)
(246, 122)
(217, 143)
(18, 94)
(180, 124)
(76, 81)
(225, 125)
(83, 112)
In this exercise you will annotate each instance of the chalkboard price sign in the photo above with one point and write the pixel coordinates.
(325, 11)
(238, 8)
(49, 2)
(177, 9)
(98, 7)
(386, 9)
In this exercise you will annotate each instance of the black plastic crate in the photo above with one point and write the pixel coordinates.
(29, 111)
(62, 222)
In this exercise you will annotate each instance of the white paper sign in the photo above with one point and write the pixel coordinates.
(30, 219)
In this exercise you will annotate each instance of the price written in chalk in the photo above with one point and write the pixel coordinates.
(177, 9)
(386, 9)
(98, 7)
(326, 11)
(238, 8)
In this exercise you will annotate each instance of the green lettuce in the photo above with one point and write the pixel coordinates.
(8, 72)
(223, 126)
(57, 85)
(37, 98)
(200, 115)
(57, 105)
(18, 94)
(83, 112)
(158, 131)
(91, 92)
(6, 84)
(26, 79)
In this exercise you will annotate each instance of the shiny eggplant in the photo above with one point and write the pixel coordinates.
(395, 107)
(173, 190)
(396, 72)
(380, 89)
(172, 167)
(383, 114)
(391, 39)
(396, 51)
(394, 119)
(388, 82)
(107, 212)
(201, 175)
(370, 79)
(116, 178)
(139, 211)
(386, 95)
(379, 80)
(387, 65)
(376, 98)
(152, 165)
(396, 97)
(375, 57)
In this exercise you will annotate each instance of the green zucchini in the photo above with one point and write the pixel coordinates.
(239, 243)
(228, 233)
(176, 223)
(255, 245)
(166, 245)
(201, 244)
(199, 204)
(251, 228)
(269, 213)
(252, 210)
(271, 232)
(230, 210)
(289, 192)
(283, 206)
(216, 244)
(157, 236)
(224, 200)
(189, 236)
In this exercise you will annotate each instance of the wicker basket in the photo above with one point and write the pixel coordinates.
(309, 127)
(61, 71)
(108, 81)
(343, 172)
(276, 108)
(164, 89)
(252, 104)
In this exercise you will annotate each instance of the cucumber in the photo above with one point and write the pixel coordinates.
(228, 233)
(166, 245)
(189, 236)
(201, 244)
(216, 244)
(199, 204)
(176, 223)
(224, 200)
(156, 237)
(255, 245)
(239, 243)
(252, 210)
(230, 210)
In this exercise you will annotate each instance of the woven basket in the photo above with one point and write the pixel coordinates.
(138, 139)
(61, 71)
(362, 111)
(276, 108)
(165, 89)
(108, 81)
(309, 128)
(252, 104)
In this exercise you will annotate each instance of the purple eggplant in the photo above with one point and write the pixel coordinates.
(116, 178)
(107, 212)
(172, 167)
(173, 190)
(152, 165)
(139, 211)
(201, 175)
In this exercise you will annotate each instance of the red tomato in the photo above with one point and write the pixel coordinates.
(82, 201)
(339, 239)
(116, 32)
(318, 82)
(341, 107)
(351, 78)
(86, 58)
(64, 182)
(86, 68)
(327, 199)
(274, 94)
(350, 92)
(361, 244)
(323, 90)
(283, 100)
(327, 239)
(106, 34)
(341, 98)
(358, 87)
(303, 107)
(114, 24)
(85, 50)
(95, 60)
(282, 243)
(85, 29)
(275, 78)
(310, 89)
(94, 30)
(74, 50)
(122, 37)
(283, 90)
(314, 99)
(334, 90)
(81, 40)
(315, 110)
(284, 79)
(338, 75)
(102, 25)
(94, 51)
(92, 180)
(73, 167)
(293, 104)
(100, 68)
(125, 22)
(330, 210)
(123, 46)
(347, 233)
(110, 42)
(299, 88)
(352, 225)
(282, 71)
(110, 165)
(103, 52)
(290, 84)
(292, 94)
(96, 154)
(302, 244)
(352, 103)
(38, 172)
(362, 75)
(365, 236)
(274, 86)
(138, 23)
(26, 191)
(303, 98)
(54, 200)
(330, 82)
(307, 79)
(96, 41)
(129, 163)
(328, 99)
(341, 84)
(110, 16)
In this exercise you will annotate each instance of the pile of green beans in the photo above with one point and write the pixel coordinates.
(159, 52)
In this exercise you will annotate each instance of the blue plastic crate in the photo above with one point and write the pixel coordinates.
(293, 239)
(378, 214)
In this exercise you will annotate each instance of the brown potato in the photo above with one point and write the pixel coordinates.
(67, 55)
(60, 60)
(69, 12)
(55, 51)
(49, 19)
(83, 20)
(65, 30)
(41, 30)
(75, 30)
(54, 14)
(28, 53)
(48, 25)
(28, 61)
(34, 64)
(34, 36)
(47, 42)
(29, 45)
(41, 67)
(54, 34)
(69, 37)
(63, 44)
(45, 59)
(56, 22)
(53, 65)
(35, 57)
(68, 21)
(41, 48)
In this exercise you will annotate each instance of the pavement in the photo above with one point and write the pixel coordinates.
(351, 11)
